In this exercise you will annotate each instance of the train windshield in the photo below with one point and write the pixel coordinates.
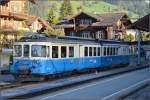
(17, 50)
(38, 51)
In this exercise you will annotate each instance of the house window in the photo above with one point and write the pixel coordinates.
(85, 21)
(72, 33)
(86, 34)
(100, 34)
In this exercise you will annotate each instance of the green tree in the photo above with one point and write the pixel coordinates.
(66, 9)
(51, 17)
(59, 32)
(128, 38)
(80, 8)
(143, 36)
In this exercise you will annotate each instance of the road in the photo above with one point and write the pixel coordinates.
(100, 89)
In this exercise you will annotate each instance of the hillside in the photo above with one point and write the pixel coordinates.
(41, 7)
(141, 7)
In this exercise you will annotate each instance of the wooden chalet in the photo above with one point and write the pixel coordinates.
(100, 26)
(142, 24)
(14, 20)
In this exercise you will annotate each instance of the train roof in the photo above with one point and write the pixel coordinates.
(142, 43)
(36, 37)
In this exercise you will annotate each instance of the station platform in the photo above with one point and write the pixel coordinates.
(23, 90)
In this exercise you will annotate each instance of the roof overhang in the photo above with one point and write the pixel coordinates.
(141, 24)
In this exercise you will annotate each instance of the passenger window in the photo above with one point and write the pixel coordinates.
(86, 51)
(48, 51)
(114, 50)
(26, 51)
(38, 51)
(63, 52)
(99, 51)
(108, 51)
(111, 51)
(104, 51)
(90, 51)
(94, 51)
(54, 51)
(17, 50)
(71, 51)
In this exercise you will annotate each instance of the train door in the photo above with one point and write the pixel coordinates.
(81, 57)
(77, 57)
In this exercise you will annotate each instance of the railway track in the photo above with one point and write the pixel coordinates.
(14, 85)
(54, 78)
(65, 86)
(8, 85)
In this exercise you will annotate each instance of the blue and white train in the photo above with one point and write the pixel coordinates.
(48, 56)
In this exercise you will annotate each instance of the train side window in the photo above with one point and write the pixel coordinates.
(99, 51)
(38, 51)
(18, 50)
(114, 51)
(90, 51)
(86, 51)
(26, 51)
(48, 51)
(105, 51)
(54, 51)
(94, 50)
(111, 51)
(108, 51)
(63, 52)
(71, 51)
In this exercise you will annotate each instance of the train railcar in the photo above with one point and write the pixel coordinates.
(47, 55)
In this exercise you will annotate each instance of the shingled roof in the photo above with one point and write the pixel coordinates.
(23, 17)
(109, 19)
(95, 16)
(105, 19)
(31, 19)
(142, 23)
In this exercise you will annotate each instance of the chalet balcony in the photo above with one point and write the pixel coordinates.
(64, 26)
(82, 25)
(19, 16)
(4, 13)
(16, 16)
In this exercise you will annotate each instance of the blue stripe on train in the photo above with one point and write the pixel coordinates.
(54, 66)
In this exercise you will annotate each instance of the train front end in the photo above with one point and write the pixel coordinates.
(30, 58)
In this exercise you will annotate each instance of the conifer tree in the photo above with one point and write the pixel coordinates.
(66, 9)
(51, 17)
